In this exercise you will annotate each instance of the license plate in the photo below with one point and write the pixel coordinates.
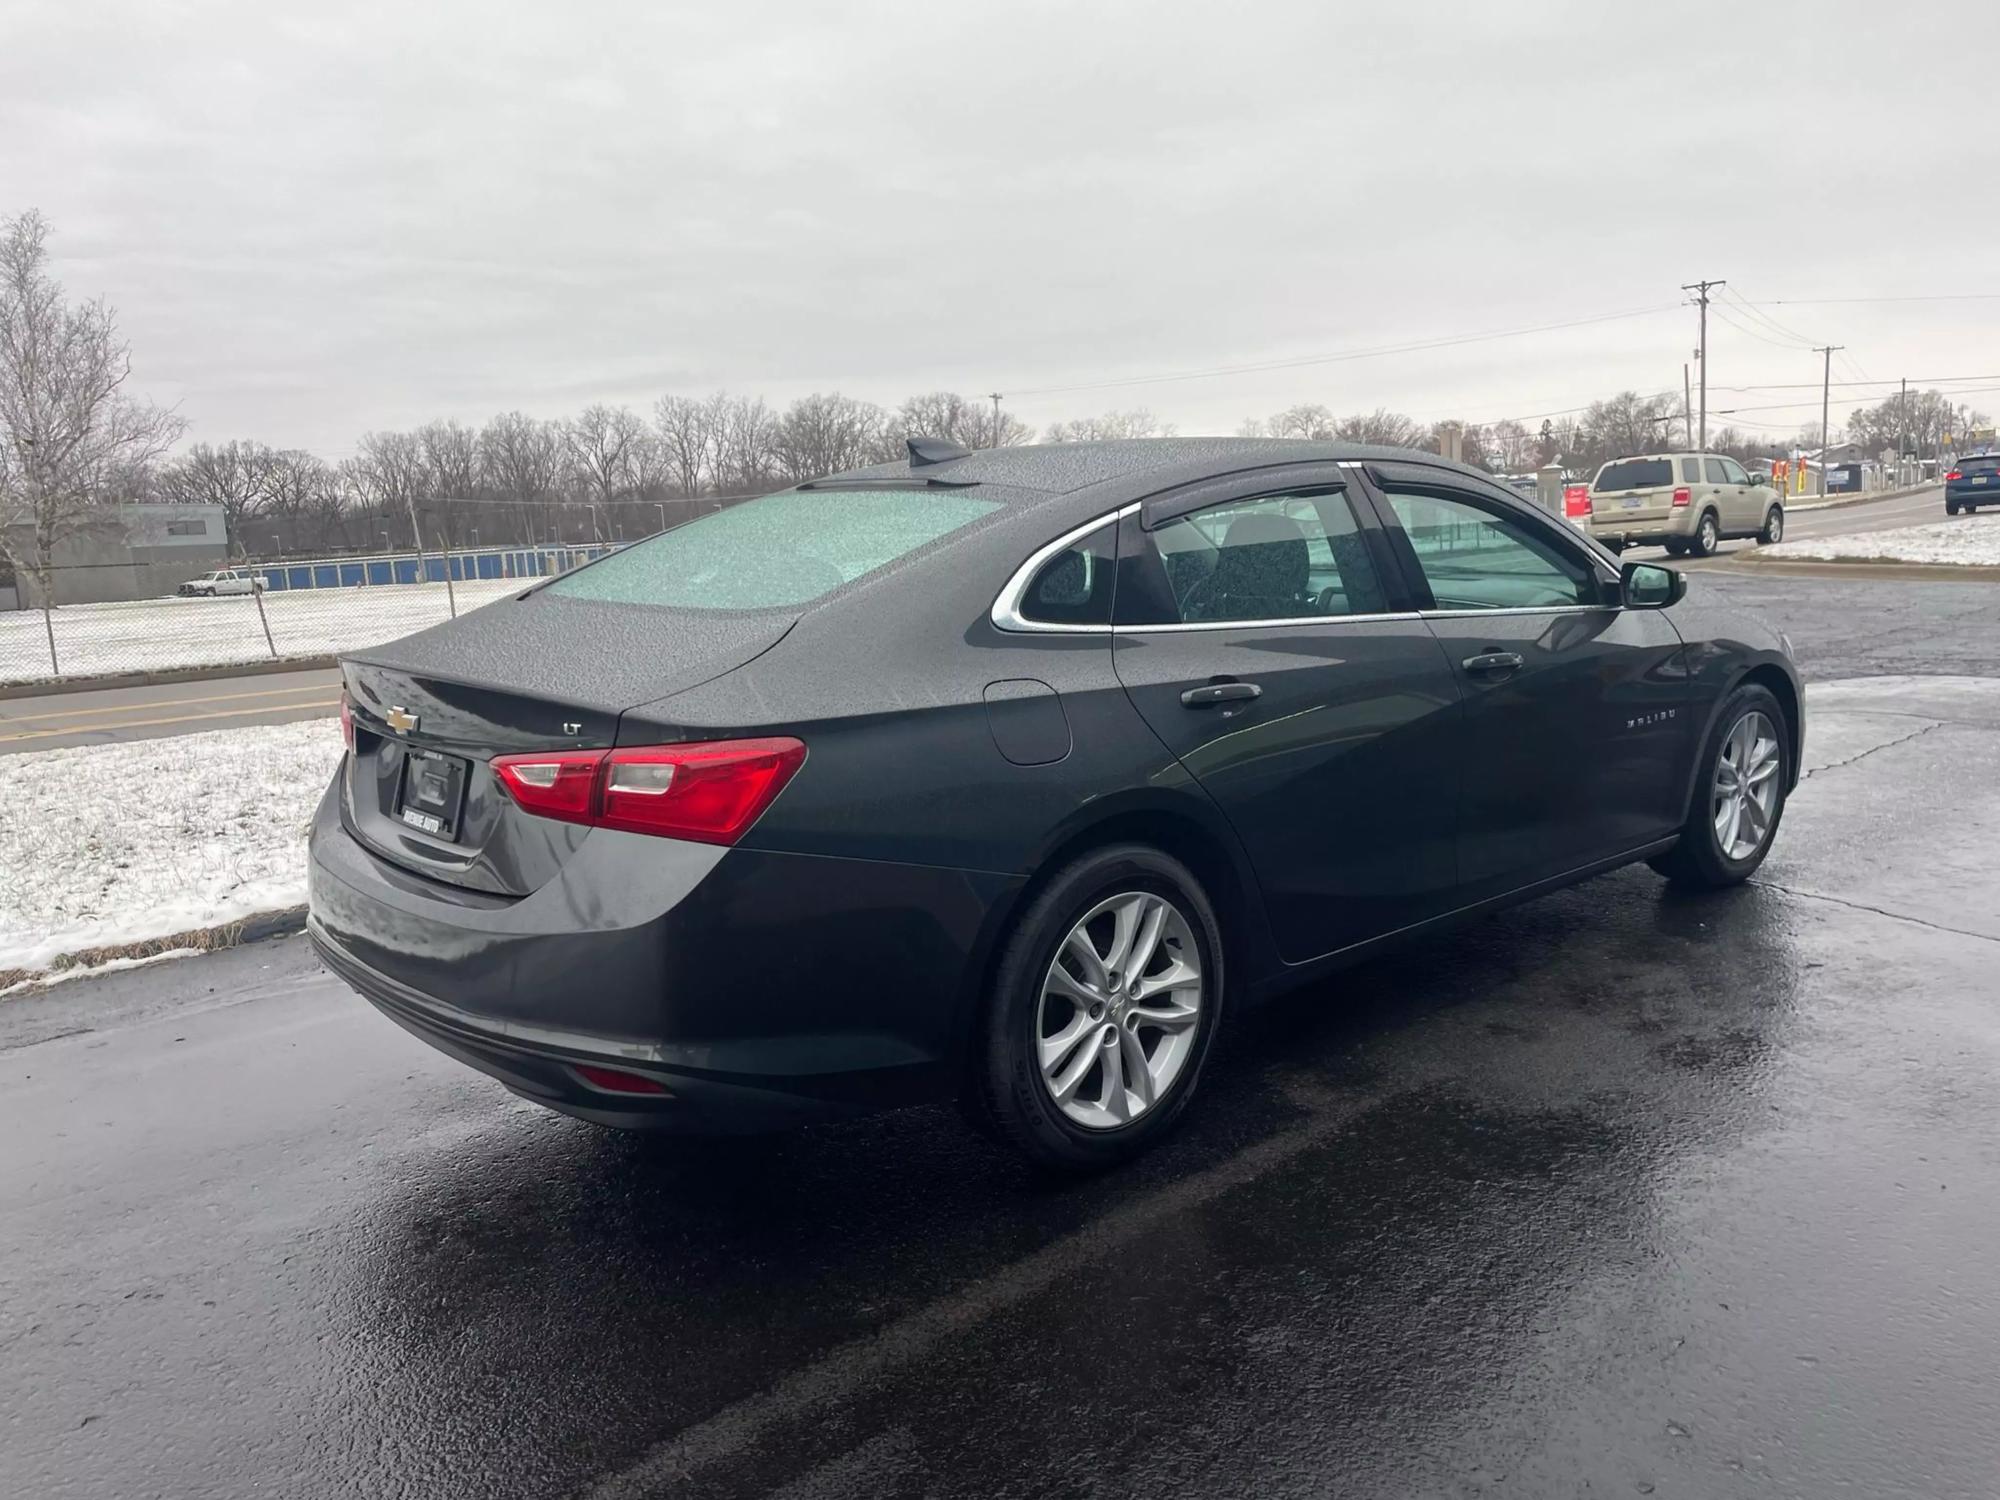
(1633, 502)
(433, 787)
(1979, 479)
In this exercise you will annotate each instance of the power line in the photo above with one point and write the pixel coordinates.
(1376, 352)
(1838, 301)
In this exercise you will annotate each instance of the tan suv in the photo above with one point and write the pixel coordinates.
(1685, 502)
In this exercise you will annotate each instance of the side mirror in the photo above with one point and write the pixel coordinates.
(1650, 586)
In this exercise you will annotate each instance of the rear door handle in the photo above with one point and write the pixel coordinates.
(1219, 692)
(1492, 661)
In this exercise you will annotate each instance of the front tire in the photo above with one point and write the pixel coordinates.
(1739, 795)
(1774, 527)
(1106, 999)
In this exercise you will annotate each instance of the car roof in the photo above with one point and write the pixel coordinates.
(1022, 475)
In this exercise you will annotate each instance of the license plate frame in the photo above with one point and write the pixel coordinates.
(1633, 502)
(438, 782)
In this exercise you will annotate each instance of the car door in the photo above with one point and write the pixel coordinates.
(1263, 635)
(1576, 731)
(1748, 513)
(1729, 501)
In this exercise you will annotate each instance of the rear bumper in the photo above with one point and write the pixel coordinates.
(761, 989)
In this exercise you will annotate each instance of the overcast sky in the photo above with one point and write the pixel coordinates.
(320, 220)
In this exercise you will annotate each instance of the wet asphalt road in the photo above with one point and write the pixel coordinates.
(1617, 1193)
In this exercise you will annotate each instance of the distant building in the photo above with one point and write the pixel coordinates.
(135, 552)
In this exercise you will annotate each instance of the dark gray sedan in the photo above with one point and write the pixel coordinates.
(1003, 776)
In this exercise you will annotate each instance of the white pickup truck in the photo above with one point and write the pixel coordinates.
(222, 581)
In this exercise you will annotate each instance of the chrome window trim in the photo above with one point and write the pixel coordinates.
(1524, 609)
(1294, 620)
(1006, 611)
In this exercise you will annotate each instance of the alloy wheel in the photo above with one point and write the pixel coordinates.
(1774, 527)
(1119, 1008)
(1745, 801)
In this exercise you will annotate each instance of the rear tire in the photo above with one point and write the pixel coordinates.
(1699, 861)
(1615, 546)
(1677, 546)
(1707, 533)
(1112, 1112)
(1774, 527)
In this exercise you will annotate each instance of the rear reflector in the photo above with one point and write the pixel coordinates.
(706, 793)
(1576, 500)
(616, 1081)
(347, 720)
(1683, 496)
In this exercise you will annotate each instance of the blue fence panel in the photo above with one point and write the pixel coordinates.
(274, 580)
(406, 569)
(350, 575)
(298, 578)
(326, 576)
(379, 572)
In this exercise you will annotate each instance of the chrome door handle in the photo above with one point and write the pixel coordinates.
(1492, 661)
(1219, 692)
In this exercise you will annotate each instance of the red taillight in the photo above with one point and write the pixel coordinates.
(347, 720)
(706, 793)
(1954, 474)
(1576, 500)
(554, 784)
(1683, 495)
(617, 1081)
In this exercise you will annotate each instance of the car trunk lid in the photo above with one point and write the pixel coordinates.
(536, 672)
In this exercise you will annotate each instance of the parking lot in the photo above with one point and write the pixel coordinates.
(1618, 1192)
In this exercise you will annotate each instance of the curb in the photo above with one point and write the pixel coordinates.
(1850, 567)
(258, 928)
(54, 685)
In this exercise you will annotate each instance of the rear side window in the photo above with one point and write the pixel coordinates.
(1074, 587)
(1276, 557)
(1691, 471)
(1635, 474)
(778, 550)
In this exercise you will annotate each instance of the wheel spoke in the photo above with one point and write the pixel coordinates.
(1086, 954)
(1138, 1068)
(1055, 1050)
(1146, 940)
(1062, 982)
(1125, 923)
(1064, 1087)
(1166, 1018)
(1726, 824)
(1756, 817)
(1115, 1102)
(1177, 975)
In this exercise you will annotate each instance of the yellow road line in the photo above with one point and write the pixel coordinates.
(132, 708)
(237, 713)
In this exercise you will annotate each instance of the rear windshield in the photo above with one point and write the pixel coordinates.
(780, 549)
(1635, 474)
(1982, 463)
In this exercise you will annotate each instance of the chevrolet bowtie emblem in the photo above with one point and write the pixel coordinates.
(400, 719)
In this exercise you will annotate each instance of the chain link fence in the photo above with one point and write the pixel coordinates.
(260, 624)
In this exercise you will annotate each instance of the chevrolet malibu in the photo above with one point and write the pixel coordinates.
(1005, 777)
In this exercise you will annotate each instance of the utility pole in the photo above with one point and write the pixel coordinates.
(1687, 406)
(1825, 391)
(996, 420)
(1903, 434)
(1700, 289)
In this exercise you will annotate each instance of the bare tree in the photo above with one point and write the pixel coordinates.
(963, 419)
(389, 471)
(823, 434)
(1625, 423)
(229, 475)
(1137, 423)
(1300, 422)
(521, 463)
(742, 443)
(600, 442)
(67, 430)
(683, 427)
(1511, 446)
(450, 452)
(1389, 428)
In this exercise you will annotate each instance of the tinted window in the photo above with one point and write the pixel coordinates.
(1978, 463)
(1277, 557)
(781, 549)
(1074, 587)
(1734, 471)
(1476, 559)
(1635, 474)
(1691, 471)
(1712, 467)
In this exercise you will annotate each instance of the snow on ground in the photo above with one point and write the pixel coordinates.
(1964, 540)
(115, 844)
(155, 634)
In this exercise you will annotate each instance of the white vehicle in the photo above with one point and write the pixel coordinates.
(222, 581)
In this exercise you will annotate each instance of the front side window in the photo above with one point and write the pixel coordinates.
(1475, 559)
(1276, 557)
(778, 550)
(1733, 472)
(1074, 587)
(1713, 470)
